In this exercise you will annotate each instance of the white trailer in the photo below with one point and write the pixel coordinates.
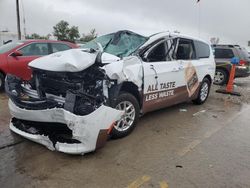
(6, 36)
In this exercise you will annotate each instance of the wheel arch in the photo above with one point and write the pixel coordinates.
(223, 68)
(133, 89)
(128, 87)
(209, 78)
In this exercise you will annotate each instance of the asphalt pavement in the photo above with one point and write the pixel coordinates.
(178, 147)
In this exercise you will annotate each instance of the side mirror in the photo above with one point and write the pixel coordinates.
(16, 54)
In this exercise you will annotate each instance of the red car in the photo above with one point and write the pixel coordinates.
(15, 56)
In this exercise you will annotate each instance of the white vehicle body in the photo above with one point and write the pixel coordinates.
(157, 80)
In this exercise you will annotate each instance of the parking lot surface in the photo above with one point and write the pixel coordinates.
(181, 146)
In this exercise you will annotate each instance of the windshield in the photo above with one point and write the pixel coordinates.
(121, 44)
(7, 47)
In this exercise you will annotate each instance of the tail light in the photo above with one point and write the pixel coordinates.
(242, 63)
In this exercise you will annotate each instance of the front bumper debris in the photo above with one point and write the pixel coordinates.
(89, 132)
(47, 122)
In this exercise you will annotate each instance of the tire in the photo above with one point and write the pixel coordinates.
(2, 79)
(203, 92)
(126, 125)
(221, 77)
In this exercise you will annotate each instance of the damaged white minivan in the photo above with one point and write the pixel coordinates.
(76, 99)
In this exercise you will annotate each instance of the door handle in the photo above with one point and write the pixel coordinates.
(181, 67)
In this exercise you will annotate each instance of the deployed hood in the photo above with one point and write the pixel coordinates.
(73, 60)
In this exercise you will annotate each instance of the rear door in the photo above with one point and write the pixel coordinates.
(19, 65)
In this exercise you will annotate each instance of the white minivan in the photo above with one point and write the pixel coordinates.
(77, 98)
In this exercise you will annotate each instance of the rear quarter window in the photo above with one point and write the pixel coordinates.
(202, 49)
(223, 53)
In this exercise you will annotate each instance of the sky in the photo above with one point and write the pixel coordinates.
(226, 19)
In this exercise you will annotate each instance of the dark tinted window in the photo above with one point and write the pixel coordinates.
(35, 49)
(158, 53)
(57, 47)
(224, 53)
(202, 49)
(185, 50)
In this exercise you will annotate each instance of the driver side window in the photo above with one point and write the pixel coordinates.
(161, 52)
(158, 53)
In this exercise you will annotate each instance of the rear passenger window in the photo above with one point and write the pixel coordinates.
(221, 53)
(57, 47)
(202, 49)
(185, 50)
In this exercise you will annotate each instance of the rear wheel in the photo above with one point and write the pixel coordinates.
(221, 77)
(129, 104)
(1, 82)
(203, 92)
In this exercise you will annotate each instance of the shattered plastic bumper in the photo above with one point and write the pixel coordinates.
(90, 131)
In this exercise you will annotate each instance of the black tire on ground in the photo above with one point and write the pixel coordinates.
(222, 77)
(128, 99)
(2, 81)
(203, 92)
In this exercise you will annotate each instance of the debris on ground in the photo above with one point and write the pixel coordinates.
(183, 110)
(198, 113)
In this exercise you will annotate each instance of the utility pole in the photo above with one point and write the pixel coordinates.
(18, 20)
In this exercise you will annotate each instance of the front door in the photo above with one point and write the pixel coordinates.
(19, 65)
(163, 77)
(170, 74)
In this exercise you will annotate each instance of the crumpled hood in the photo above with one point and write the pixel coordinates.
(73, 60)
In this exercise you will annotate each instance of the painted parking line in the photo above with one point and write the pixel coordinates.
(189, 148)
(163, 184)
(209, 134)
(139, 182)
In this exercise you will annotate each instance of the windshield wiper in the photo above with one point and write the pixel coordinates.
(107, 44)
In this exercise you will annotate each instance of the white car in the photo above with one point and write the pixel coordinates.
(79, 97)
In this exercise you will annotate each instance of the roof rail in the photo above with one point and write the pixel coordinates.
(226, 45)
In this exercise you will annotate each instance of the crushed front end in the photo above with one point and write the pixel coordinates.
(64, 111)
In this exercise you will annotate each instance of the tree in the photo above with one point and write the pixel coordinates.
(64, 32)
(73, 34)
(215, 40)
(36, 36)
(90, 36)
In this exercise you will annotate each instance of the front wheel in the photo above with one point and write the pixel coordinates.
(203, 92)
(129, 104)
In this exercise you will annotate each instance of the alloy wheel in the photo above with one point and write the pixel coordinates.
(204, 91)
(128, 118)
